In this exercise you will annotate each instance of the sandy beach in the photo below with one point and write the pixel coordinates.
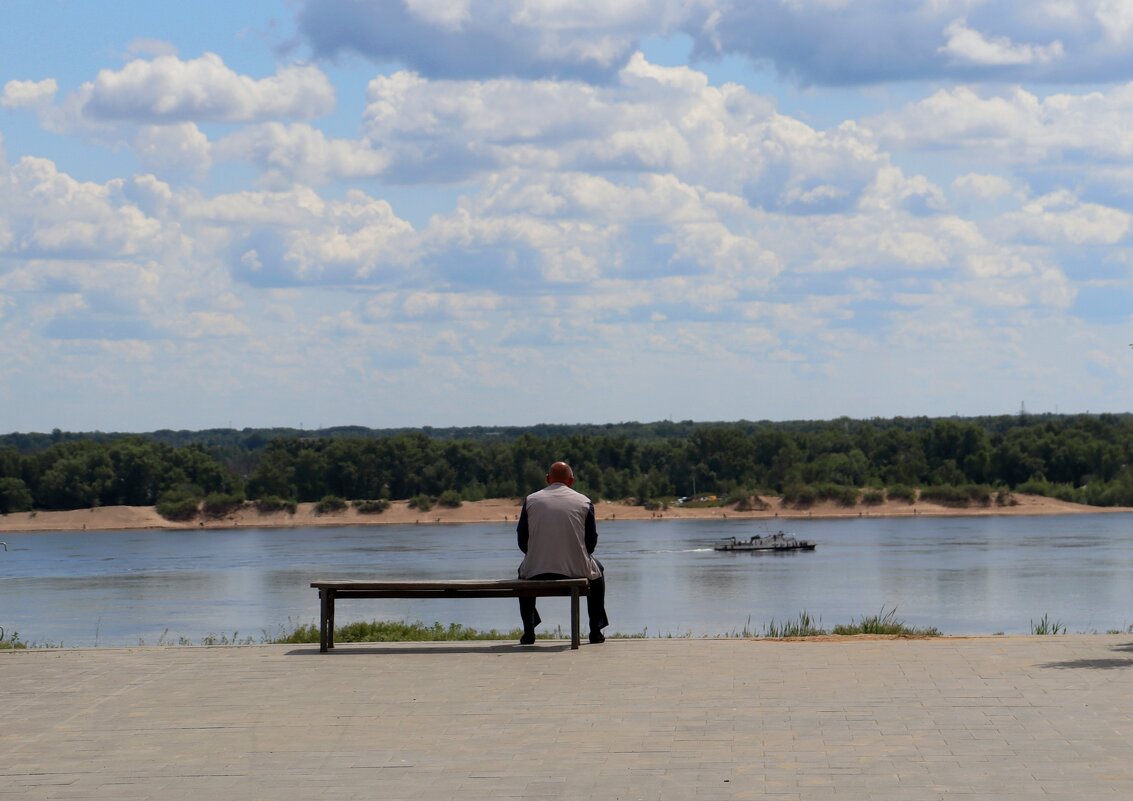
(115, 518)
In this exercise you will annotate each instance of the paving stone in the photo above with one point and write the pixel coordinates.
(1004, 718)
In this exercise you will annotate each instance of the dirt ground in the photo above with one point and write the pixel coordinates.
(115, 518)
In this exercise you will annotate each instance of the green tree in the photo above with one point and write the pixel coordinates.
(14, 495)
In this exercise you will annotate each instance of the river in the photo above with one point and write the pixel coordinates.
(963, 575)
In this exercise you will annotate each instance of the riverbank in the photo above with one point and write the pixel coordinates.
(117, 518)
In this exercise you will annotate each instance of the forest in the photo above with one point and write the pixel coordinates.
(1082, 458)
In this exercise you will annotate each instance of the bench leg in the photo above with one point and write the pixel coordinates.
(323, 620)
(574, 619)
(330, 618)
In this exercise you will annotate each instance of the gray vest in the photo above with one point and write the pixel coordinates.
(556, 523)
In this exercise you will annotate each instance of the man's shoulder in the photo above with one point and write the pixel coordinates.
(558, 491)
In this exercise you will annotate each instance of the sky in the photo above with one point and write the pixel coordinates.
(312, 213)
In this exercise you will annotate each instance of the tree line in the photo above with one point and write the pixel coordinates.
(1083, 458)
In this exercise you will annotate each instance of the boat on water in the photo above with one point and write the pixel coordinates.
(776, 543)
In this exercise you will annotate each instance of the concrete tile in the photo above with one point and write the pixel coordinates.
(1003, 718)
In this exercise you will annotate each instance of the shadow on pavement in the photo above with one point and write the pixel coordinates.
(359, 649)
(1096, 664)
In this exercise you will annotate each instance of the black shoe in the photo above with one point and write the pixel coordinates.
(597, 637)
(527, 639)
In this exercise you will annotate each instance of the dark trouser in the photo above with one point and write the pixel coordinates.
(595, 603)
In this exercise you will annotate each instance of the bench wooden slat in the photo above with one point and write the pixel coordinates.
(330, 590)
(455, 585)
(531, 592)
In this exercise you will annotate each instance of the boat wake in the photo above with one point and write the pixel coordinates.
(684, 550)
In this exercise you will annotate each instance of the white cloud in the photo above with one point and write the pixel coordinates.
(987, 187)
(967, 46)
(167, 89)
(567, 192)
(212, 324)
(1062, 218)
(655, 119)
(1015, 127)
(587, 40)
(303, 153)
(178, 148)
(28, 94)
(812, 42)
(892, 189)
(296, 236)
(50, 214)
(446, 14)
(1116, 19)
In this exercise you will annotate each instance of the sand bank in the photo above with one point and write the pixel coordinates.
(504, 511)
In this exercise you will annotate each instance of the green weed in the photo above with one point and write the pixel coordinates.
(885, 623)
(12, 643)
(401, 631)
(1047, 626)
(802, 626)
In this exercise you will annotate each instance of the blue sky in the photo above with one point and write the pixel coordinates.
(460, 212)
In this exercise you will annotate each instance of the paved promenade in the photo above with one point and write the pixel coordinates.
(987, 718)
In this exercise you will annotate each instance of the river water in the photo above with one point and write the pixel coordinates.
(962, 575)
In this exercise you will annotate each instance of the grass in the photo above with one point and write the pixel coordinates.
(802, 626)
(12, 643)
(885, 623)
(1047, 626)
(882, 624)
(401, 631)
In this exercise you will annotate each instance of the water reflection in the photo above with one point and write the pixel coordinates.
(961, 575)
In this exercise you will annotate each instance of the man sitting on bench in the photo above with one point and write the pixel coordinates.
(558, 534)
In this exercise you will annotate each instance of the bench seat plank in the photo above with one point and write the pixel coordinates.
(330, 590)
(546, 587)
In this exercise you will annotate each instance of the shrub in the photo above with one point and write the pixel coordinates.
(374, 507)
(174, 506)
(330, 504)
(842, 495)
(274, 503)
(751, 503)
(218, 504)
(945, 494)
(474, 492)
(1066, 492)
(450, 499)
(1063, 492)
(1035, 486)
(979, 493)
(422, 503)
(803, 496)
(14, 496)
(900, 492)
(800, 496)
(873, 497)
(948, 495)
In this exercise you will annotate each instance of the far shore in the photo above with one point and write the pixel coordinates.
(505, 511)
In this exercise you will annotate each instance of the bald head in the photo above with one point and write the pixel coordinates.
(560, 473)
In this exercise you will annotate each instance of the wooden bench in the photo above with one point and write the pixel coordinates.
(330, 591)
